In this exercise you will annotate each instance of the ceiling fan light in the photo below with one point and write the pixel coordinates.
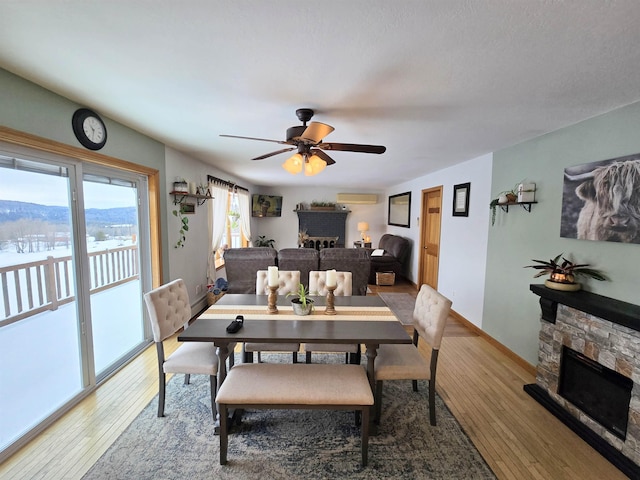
(314, 165)
(293, 164)
(316, 131)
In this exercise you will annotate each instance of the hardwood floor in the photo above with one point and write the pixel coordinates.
(480, 384)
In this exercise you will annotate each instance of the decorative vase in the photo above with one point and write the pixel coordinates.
(564, 286)
(299, 308)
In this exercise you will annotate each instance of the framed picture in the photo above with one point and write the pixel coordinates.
(187, 208)
(400, 209)
(600, 200)
(461, 195)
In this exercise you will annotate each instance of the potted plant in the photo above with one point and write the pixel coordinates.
(503, 198)
(302, 304)
(263, 241)
(562, 275)
(326, 206)
(184, 228)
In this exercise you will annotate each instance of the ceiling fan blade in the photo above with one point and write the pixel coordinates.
(353, 147)
(253, 138)
(323, 156)
(316, 131)
(267, 155)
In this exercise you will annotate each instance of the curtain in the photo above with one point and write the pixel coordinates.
(217, 223)
(244, 200)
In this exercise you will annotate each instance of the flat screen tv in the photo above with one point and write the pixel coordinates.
(266, 205)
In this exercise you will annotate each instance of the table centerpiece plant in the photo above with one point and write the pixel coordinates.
(562, 274)
(302, 304)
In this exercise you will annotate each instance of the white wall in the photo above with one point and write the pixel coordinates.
(463, 241)
(190, 262)
(284, 230)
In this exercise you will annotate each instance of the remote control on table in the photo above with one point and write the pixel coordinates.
(236, 324)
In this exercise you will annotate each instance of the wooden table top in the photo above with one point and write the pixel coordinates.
(358, 319)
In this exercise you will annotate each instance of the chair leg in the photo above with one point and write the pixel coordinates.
(295, 357)
(415, 385)
(365, 436)
(213, 383)
(223, 434)
(161, 391)
(187, 378)
(308, 359)
(378, 401)
(432, 401)
(259, 357)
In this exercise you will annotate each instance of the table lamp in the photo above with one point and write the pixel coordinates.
(363, 227)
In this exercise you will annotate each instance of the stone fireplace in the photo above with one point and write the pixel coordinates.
(588, 372)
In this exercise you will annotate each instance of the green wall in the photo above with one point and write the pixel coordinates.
(29, 108)
(511, 312)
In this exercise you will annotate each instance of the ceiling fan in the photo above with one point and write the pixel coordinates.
(307, 140)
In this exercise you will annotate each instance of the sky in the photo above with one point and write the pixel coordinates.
(50, 190)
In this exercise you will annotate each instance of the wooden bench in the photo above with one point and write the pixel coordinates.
(295, 386)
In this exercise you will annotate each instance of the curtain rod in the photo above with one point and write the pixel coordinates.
(229, 184)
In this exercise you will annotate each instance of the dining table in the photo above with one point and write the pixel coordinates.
(358, 319)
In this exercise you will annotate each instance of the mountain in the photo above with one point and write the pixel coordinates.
(11, 211)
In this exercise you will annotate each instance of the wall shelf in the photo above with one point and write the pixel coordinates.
(525, 205)
(179, 197)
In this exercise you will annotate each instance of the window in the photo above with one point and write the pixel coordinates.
(234, 238)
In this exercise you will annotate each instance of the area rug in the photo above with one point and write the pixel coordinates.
(284, 444)
(401, 304)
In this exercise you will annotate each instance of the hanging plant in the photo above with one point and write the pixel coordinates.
(184, 228)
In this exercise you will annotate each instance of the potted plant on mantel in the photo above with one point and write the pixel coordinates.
(302, 304)
(323, 206)
(562, 275)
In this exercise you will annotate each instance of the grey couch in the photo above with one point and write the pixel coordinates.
(242, 264)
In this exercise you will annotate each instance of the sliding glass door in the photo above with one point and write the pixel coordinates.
(112, 220)
(74, 262)
(40, 336)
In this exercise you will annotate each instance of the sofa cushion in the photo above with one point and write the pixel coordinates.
(242, 264)
(354, 260)
(302, 259)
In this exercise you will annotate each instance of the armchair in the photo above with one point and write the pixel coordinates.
(396, 250)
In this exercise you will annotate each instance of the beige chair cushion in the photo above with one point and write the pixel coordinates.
(295, 384)
(194, 358)
(400, 362)
(288, 282)
(318, 283)
(430, 315)
(169, 309)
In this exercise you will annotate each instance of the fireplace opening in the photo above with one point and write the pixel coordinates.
(598, 391)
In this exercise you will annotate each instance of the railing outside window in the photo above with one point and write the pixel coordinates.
(34, 287)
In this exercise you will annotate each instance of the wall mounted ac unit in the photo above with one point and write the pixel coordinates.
(357, 198)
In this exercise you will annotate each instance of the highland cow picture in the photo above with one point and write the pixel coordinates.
(601, 201)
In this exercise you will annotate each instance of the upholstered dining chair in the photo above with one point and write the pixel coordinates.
(288, 281)
(318, 286)
(405, 362)
(169, 310)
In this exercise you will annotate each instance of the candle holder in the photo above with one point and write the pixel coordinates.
(273, 297)
(330, 309)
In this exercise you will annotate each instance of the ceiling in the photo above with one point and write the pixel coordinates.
(438, 82)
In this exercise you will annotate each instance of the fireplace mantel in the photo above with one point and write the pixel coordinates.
(602, 330)
(615, 311)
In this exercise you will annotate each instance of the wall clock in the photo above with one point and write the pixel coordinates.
(89, 129)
